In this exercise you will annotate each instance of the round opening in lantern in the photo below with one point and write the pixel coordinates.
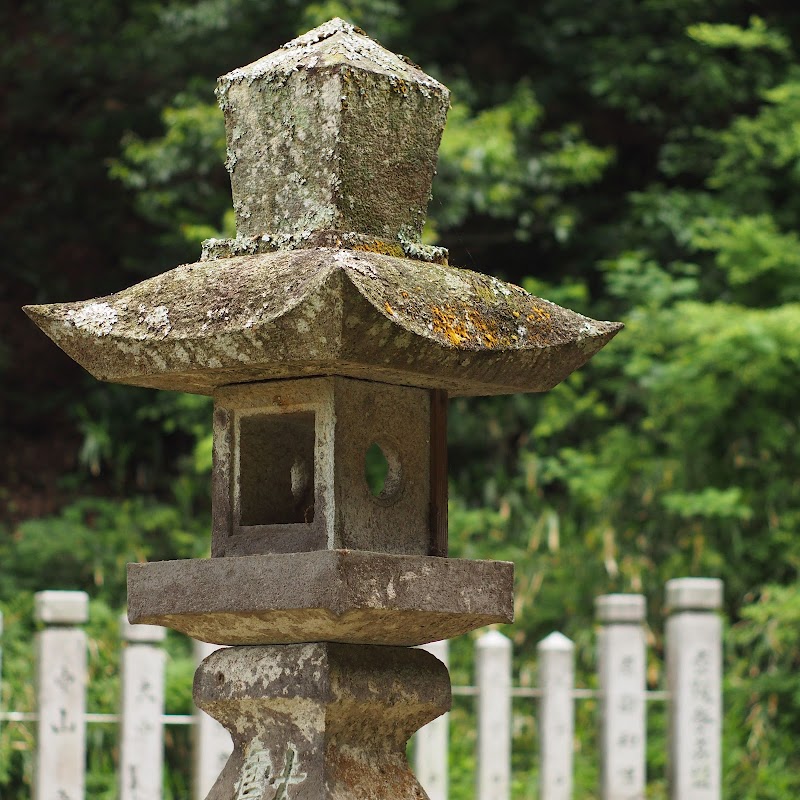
(382, 471)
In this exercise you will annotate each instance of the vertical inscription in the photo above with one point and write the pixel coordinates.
(627, 720)
(703, 720)
(256, 773)
(260, 781)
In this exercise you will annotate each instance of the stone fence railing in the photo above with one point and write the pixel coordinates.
(693, 694)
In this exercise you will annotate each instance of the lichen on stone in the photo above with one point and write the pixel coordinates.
(95, 318)
(156, 319)
(214, 249)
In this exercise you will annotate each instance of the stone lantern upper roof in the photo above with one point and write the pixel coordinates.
(332, 144)
(323, 311)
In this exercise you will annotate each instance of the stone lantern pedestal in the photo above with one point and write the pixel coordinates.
(326, 331)
(320, 720)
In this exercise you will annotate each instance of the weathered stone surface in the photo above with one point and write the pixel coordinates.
(289, 467)
(331, 148)
(308, 128)
(324, 311)
(324, 595)
(313, 721)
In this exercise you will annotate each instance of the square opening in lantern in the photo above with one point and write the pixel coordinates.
(276, 468)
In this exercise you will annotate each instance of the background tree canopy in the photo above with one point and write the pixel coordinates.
(631, 160)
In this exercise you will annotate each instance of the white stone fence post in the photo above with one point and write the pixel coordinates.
(556, 716)
(61, 696)
(142, 714)
(694, 668)
(493, 672)
(622, 663)
(61, 716)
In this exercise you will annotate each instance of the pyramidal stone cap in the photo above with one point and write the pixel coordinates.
(324, 135)
(332, 144)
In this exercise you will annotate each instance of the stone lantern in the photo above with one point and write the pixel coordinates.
(326, 331)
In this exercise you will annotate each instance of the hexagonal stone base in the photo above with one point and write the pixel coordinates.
(316, 721)
(321, 596)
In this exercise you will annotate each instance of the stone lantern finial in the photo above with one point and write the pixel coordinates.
(330, 137)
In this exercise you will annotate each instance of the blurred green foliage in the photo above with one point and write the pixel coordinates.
(632, 160)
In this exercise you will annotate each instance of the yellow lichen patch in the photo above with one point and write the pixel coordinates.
(379, 246)
(538, 314)
(447, 323)
(467, 326)
(398, 84)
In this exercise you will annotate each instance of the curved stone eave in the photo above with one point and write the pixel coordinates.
(399, 351)
(465, 310)
(323, 311)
